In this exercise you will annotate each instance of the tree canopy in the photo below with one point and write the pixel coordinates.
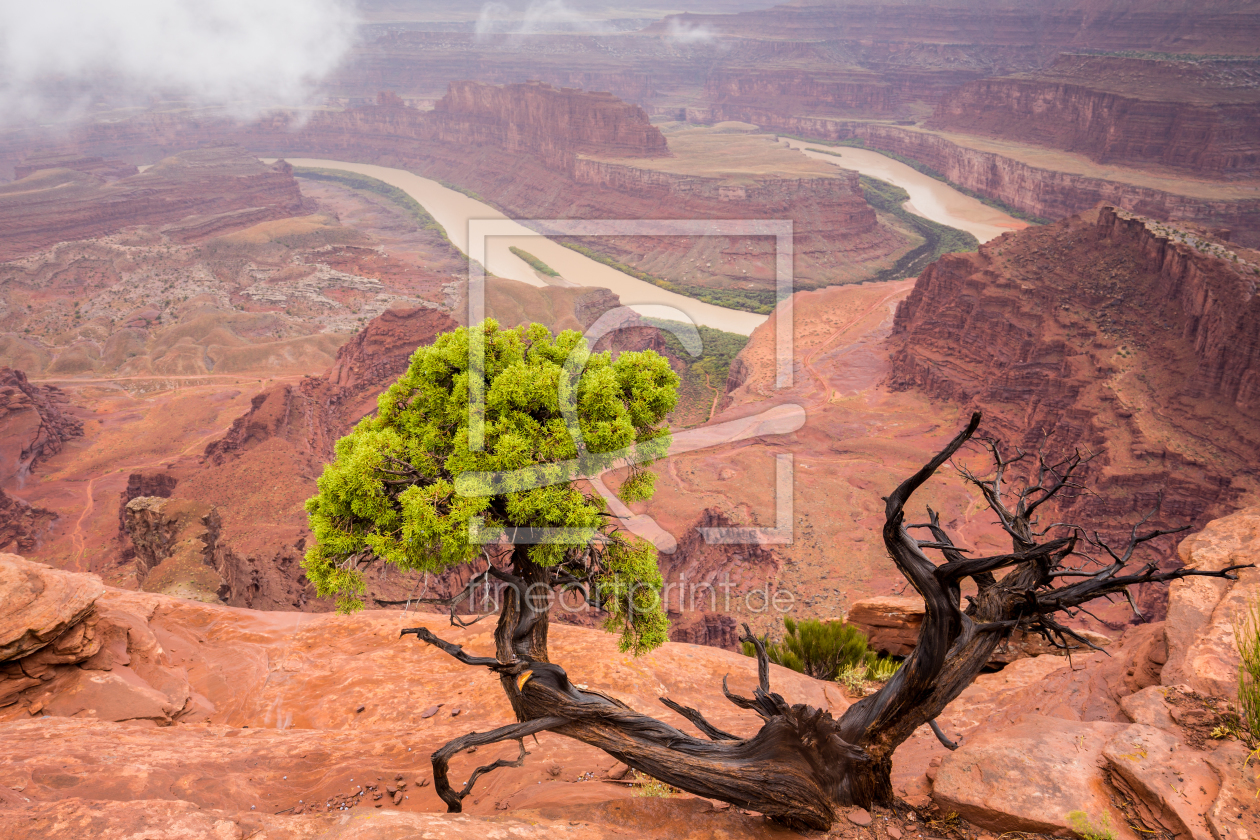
(410, 487)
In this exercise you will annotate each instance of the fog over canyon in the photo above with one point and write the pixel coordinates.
(820, 244)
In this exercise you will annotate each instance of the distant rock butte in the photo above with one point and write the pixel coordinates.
(536, 118)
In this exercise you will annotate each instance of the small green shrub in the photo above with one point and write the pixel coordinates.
(881, 668)
(533, 262)
(653, 787)
(1247, 635)
(1085, 827)
(825, 650)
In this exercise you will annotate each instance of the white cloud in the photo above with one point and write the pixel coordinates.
(248, 55)
(682, 32)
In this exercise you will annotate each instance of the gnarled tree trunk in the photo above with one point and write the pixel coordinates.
(803, 765)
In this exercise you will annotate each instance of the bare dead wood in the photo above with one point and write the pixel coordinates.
(803, 765)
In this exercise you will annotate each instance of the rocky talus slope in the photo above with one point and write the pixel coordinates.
(1108, 332)
(203, 721)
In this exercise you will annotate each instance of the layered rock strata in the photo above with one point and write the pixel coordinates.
(1199, 116)
(1109, 333)
(210, 191)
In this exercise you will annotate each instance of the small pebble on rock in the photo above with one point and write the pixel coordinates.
(894, 832)
(860, 816)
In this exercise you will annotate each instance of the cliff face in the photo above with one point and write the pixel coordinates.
(1198, 116)
(33, 424)
(803, 92)
(1106, 332)
(538, 119)
(21, 524)
(221, 188)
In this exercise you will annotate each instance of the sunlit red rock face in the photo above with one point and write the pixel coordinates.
(1106, 332)
(1197, 116)
(199, 194)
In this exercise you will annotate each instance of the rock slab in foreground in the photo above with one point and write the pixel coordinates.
(38, 604)
(1030, 776)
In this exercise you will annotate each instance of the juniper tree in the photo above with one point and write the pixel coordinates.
(408, 487)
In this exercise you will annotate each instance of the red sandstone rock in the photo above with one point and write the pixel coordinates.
(21, 524)
(1050, 330)
(1181, 114)
(39, 604)
(1028, 777)
(891, 623)
(1202, 652)
(1166, 774)
(538, 119)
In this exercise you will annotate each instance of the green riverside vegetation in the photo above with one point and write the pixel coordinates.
(706, 374)
(533, 262)
(938, 239)
(760, 302)
(373, 185)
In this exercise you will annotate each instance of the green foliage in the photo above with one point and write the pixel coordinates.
(1084, 826)
(368, 184)
(1247, 635)
(881, 668)
(533, 262)
(706, 374)
(406, 487)
(747, 301)
(821, 649)
(938, 239)
(651, 787)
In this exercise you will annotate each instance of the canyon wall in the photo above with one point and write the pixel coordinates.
(224, 188)
(1215, 26)
(837, 231)
(535, 118)
(1109, 333)
(1197, 116)
(1041, 192)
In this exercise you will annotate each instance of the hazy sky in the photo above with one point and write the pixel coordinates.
(56, 56)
